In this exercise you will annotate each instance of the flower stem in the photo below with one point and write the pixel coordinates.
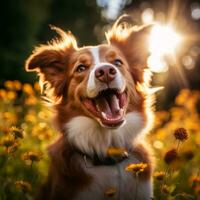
(178, 145)
(136, 187)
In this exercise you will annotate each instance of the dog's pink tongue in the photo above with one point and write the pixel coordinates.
(114, 104)
(108, 105)
(103, 106)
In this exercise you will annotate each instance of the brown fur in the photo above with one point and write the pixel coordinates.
(66, 176)
(55, 64)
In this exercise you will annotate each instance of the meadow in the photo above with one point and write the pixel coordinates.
(26, 131)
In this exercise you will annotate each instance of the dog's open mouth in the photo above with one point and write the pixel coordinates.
(108, 107)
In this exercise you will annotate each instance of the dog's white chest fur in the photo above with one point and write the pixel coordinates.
(114, 176)
(90, 137)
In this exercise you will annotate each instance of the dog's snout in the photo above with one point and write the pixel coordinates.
(105, 73)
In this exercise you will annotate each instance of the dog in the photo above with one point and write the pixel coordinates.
(102, 110)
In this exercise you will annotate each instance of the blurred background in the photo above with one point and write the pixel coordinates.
(25, 126)
(25, 24)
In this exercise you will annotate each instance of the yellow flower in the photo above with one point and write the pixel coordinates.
(31, 100)
(36, 86)
(3, 94)
(110, 191)
(31, 157)
(159, 175)
(9, 85)
(16, 132)
(13, 148)
(41, 131)
(165, 189)
(7, 141)
(4, 128)
(182, 96)
(195, 180)
(11, 95)
(137, 168)
(30, 118)
(23, 185)
(28, 89)
(11, 118)
(13, 85)
(115, 152)
(17, 85)
(43, 115)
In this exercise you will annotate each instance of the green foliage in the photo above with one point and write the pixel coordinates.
(26, 24)
(82, 18)
(24, 134)
(20, 21)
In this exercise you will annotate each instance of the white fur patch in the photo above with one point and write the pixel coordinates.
(95, 54)
(94, 86)
(90, 137)
(106, 176)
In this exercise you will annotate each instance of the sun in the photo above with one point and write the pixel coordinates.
(163, 40)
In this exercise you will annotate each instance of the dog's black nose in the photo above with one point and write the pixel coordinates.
(105, 73)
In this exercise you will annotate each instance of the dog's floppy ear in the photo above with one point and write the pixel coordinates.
(133, 43)
(50, 61)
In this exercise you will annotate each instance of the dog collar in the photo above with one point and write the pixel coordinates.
(99, 161)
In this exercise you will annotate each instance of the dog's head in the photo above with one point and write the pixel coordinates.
(97, 89)
(100, 82)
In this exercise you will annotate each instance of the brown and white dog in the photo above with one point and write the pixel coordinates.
(99, 97)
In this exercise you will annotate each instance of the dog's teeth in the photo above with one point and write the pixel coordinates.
(121, 111)
(98, 108)
(104, 115)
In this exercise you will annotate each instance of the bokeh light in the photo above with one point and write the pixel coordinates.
(158, 144)
(163, 40)
(147, 16)
(157, 63)
(112, 8)
(188, 62)
(195, 11)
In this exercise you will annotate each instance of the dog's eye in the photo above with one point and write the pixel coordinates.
(80, 68)
(118, 62)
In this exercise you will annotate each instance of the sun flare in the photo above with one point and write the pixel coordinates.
(163, 40)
